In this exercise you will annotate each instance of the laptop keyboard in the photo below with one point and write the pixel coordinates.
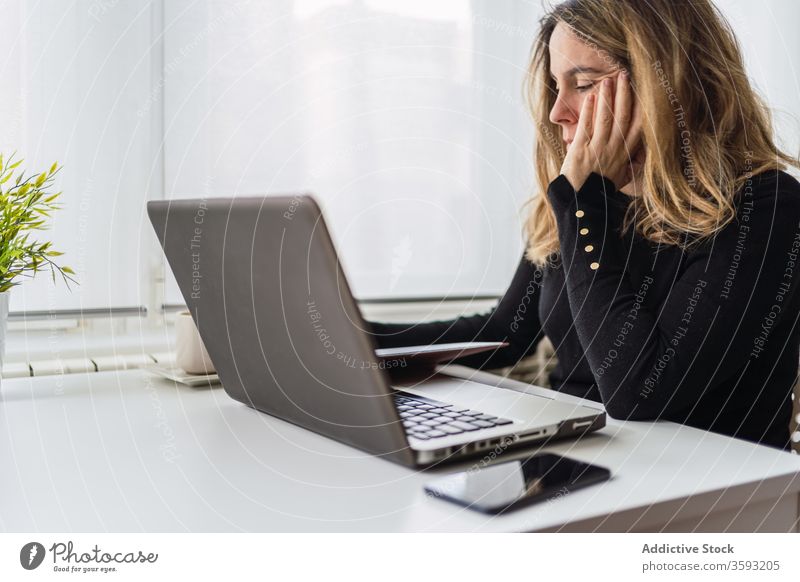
(424, 418)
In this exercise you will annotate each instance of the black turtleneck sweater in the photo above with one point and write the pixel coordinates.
(707, 337)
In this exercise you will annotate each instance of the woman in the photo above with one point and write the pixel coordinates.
(662, 253)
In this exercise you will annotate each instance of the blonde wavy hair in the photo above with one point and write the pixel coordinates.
(705, 130)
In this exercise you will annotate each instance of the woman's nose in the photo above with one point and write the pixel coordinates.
(562, 113)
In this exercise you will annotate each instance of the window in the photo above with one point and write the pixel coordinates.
(404, 117)
(73, 77)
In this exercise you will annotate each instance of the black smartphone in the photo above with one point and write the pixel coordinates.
(504, 486)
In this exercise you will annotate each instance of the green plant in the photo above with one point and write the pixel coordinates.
(24, 208)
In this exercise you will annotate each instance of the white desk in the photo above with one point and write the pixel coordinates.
(124, 451)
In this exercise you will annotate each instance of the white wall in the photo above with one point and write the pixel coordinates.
(767, 32)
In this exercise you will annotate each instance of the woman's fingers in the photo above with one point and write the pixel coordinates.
(584, 132)
(626, 135)
(604, 115)
(622, 109)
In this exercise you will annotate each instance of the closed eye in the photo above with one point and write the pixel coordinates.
(586, 87)
(579, 88)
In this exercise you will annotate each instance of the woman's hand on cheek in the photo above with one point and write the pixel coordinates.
(609, 131)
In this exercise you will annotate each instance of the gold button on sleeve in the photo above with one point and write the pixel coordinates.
(588, 248)
(594, 266)
(584, 231)
(579, 213)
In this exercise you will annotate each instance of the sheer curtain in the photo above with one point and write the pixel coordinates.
(404, 117)
(74, 74)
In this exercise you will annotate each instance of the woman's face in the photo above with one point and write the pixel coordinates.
(577, 70)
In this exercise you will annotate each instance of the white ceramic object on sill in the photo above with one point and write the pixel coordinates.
(190, 353)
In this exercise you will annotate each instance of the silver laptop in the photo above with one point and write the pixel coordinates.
(265, 287)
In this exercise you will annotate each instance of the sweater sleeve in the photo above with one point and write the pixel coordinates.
(717, 316)
(515, 320)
